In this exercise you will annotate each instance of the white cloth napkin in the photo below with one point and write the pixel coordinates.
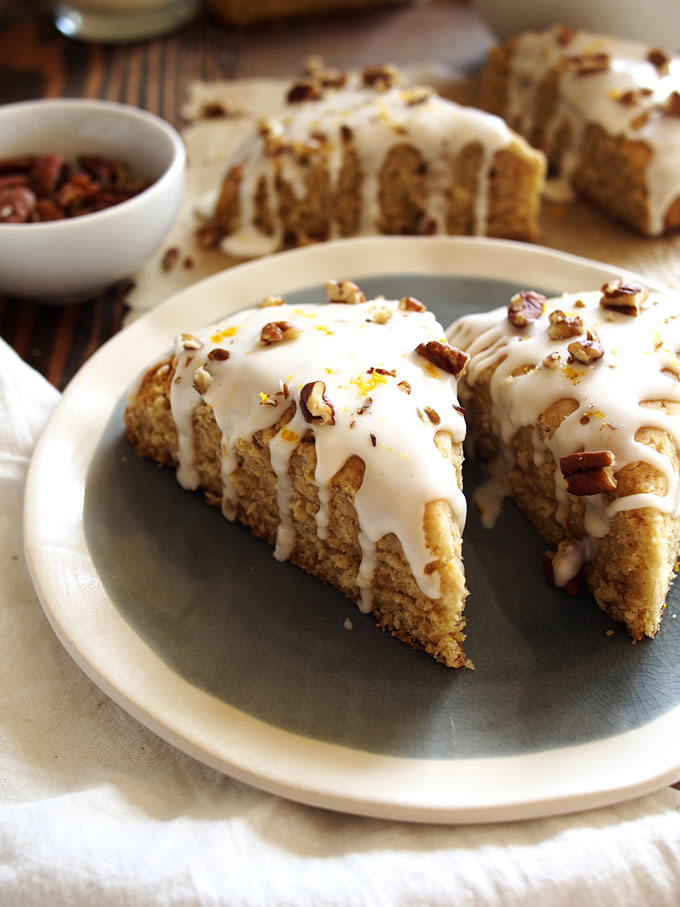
(96, 810)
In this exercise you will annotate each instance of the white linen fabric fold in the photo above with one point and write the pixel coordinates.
(97, 810)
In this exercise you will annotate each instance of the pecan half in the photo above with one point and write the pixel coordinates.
(344, 291)
(45, 173)
(315, 405)
(411, 304)
(444, 356)
(16, 204)
(525, 307)
(588, 472)
(624, 297)
(277, 331)
(563, 326)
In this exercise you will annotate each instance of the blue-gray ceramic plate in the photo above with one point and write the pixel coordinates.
(261, 671)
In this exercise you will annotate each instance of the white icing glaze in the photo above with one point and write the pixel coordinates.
(593, 98)
(609, 392)
(374, 419)
(438, 128)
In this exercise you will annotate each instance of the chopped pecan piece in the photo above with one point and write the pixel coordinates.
(586, 351)
(208, 236)
(344, 291)
(563, 34)
(588, 472)
(427, 225)
(218, 354)
(277, 331)
(563, 326)
(432, 415)
(381, 315)
(307, 89)
(564, 567)
(672, 106)
(315, 405)
(411, 304)
(189, 342)
(202, 380)
(587, 64)
(346, 133)
(328, 77)
(269, 301)
(659, 59)
(444, 356)
(525, 307)
(633, 96)
(365, 406)
(404, 386)
(552, 360)
(624, 297)
(392, 373)
(381, 77)
(417, 95)
(170, 258)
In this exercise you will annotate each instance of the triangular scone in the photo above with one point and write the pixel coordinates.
(606, 112)
(361, 154)
(575, 401)
(334, 432)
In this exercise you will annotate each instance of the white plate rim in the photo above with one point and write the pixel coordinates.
(321, 774)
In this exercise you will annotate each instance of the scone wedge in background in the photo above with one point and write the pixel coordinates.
(575, 404)
(363, 154)
(605, 111)
(333, 431)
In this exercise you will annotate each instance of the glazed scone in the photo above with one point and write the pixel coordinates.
(334, 432)
(605, 111)
(362, 154)
(575, 404)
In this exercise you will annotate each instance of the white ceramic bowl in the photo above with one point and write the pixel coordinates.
(74, 258)
(656, 21)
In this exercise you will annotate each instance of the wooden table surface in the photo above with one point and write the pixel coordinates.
(36, 61)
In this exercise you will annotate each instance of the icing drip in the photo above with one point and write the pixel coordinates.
(362, 353)
(640, 365)
(379, 120)
(596, 98)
